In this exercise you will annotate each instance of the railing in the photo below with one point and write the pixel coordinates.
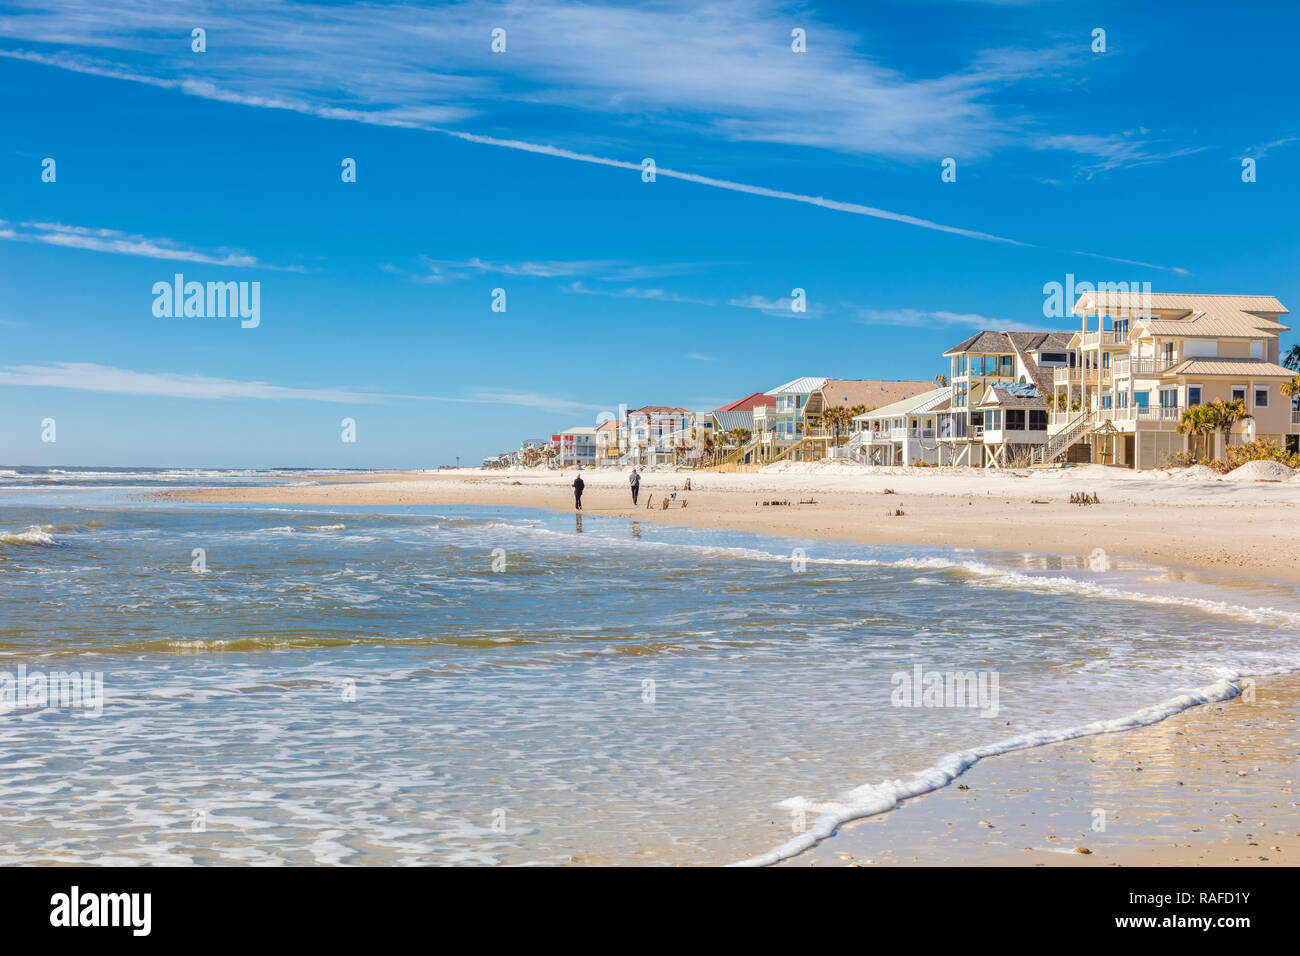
(1144, 366)
(1295, 417)
(1059, 443)
(1089, 340)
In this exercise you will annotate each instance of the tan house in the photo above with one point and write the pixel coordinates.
(1142, 359)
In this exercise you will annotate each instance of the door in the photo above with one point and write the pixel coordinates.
(1129, 450)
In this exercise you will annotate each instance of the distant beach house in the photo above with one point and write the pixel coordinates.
(784, 421)
(903, 432)
(575, 446)
(999, 383)
(1144, 359)
(794, 428)
(654, 433)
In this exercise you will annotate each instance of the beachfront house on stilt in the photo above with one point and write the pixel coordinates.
(999, 383)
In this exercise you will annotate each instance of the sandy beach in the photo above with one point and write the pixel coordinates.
(1213, 785)
(1240, 528)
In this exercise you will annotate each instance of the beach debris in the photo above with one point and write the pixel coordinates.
(1081, 849)
(1039, 501)
(888, 491)
(770, 503)
(1084, 498)
(898, 513)
(810, 501)
(665, 505)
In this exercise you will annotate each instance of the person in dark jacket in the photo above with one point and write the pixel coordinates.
(578, 485)
(635, 481)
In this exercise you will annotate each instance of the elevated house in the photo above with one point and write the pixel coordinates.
(903, 432)
(654, 433)
(979, 367)
(1145, 358)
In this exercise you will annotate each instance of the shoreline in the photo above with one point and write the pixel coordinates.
(1205, 746)
(1239, 530)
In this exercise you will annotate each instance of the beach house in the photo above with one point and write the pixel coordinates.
(902, 432)
(1005, 376)
(654, 433)
(1145, 358)
(779, 425)
(575, 446)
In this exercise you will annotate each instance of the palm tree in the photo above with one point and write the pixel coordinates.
(1291, 389)
(740, 436)
(941, 380)
(1223, 415)
(1292, 360)
(1197, 421)
(835, 418)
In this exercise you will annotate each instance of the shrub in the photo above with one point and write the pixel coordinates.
(1258, 450)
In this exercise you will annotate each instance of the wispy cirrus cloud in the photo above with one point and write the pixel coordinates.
(634, 292)
(106, 379)
(723, 68)
(1115, 151)
(725, 65)
(927, 318)
(612, 270)
(120, 243)
(781, 308)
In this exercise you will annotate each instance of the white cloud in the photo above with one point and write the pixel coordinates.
(924, 318)
(125, 244)
(90, 377)
(633, 292)
(720, 66)
(449, 270)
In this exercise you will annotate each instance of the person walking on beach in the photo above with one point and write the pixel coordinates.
(578, 485)
(635, 481)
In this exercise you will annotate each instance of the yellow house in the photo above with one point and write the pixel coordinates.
(1144, 358)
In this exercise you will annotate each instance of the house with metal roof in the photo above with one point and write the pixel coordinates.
(782, 424)
(903, 432)
(1145, 358)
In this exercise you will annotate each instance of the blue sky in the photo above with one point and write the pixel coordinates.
(522, 170)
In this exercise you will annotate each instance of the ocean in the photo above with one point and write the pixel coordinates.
(475, 685)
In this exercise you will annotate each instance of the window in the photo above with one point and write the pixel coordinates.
(1239, 393)
(1106, 401)
(1123, 400)
(1193, 394)
(1169, 398)
(1007, 366)
(1121, 326)
(1058, 357)
(1169, 352)
(993, 419)
(1142, 399)
(961, 366)
(1261, 398)
(1015, 419)
(1038, 420)
(1105, 359)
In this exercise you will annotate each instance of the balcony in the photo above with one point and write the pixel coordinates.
(1144, 366)
(1107, 339)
